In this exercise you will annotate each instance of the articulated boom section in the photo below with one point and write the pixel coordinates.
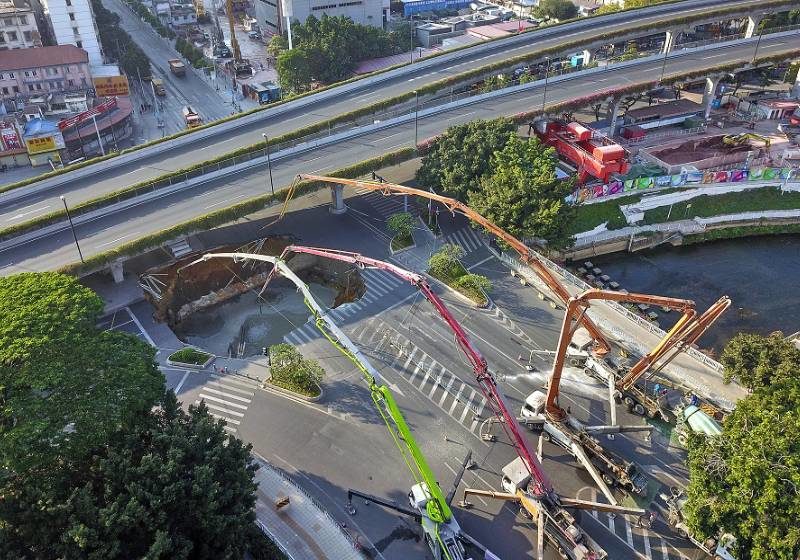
(526, 254)
(578, 305)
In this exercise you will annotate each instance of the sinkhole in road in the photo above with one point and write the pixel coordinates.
(220, 304)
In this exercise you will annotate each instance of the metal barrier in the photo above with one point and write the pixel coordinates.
(266, 531)
(287, 478)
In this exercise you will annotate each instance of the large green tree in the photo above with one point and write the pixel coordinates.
(64, 385)
(756, 361)
(746, 481)
(458, 159)
(171, 485)
(523, 195)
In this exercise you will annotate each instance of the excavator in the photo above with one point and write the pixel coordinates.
(740, 139)
(427, 502)
(524, 479)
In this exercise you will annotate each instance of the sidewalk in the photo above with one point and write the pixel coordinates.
(302, 529)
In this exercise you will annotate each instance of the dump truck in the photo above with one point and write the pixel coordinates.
(177, 67)
(191, 117)
(158, 87)
(719, 548)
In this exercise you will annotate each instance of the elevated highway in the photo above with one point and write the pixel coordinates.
(148, 163)
(113, 229)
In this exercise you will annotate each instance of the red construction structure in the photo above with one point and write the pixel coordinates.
(594, 155)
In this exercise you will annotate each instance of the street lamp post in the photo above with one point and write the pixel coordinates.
(72, 227)
(411, 28)
(664, 65)
(686, 214)
(546, 76)
(760, 34)
(269, 162)
(416, 118)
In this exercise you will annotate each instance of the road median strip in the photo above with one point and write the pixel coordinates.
(430, 88)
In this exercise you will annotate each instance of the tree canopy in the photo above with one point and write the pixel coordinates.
(747, 480)
(458, 159)
(558, 9)
(522, 194)
(65, 385)
(756, 361)
(327, 50)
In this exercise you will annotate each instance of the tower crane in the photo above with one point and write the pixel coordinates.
(430, 506)
(526, 254)
(538, 498)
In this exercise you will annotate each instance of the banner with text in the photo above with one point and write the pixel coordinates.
(581, 194)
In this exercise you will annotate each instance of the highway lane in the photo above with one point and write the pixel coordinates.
(112, 176)
(113, 230)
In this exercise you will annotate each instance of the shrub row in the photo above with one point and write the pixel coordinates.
(378, 106)
(229, 214)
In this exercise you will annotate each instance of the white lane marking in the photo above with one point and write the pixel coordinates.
(222, 409)
(410, 357)
(457, 399)
(715, 56)
(22, 214)
(628, 534)
(645, 535)
(425, 379)
(181, 382)
(229, 420)
(226, 201)
(117, 239)
(229, 429)
(229, 388)
(224, 394)
(139, 326)
(223, 401)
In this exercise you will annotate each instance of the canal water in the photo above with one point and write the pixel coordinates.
(760, 274)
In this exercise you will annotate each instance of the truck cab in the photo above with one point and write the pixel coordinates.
(718, 548)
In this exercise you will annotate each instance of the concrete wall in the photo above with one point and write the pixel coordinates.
(72, 23)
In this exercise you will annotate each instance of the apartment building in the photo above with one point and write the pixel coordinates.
(72, 23)
(272, 14)
(19, 24)
(35, 72)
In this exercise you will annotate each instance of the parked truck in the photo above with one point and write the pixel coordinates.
(718, 548)
(191, 117)
(177, 67)
(158, 87)
(573, 437)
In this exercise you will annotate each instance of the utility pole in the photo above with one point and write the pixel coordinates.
(269, 161)
(760, 34)
(546, 76)
(72, 227)
(416, 118)
(411, 28)
(99, 140)
(664, 65)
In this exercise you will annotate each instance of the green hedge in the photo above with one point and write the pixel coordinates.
(741, 231)
(190, 356)
(229, 214)
(388, 102)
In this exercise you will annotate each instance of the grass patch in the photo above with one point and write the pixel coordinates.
(589, 216)
(190, 356)
(290, 370)
(741, 231)
(401, 242)
(445, 265)
(764, 198)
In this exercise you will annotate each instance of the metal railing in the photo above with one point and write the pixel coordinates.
(353, 542)
(274, 539)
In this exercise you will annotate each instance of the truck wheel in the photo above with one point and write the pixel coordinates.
(682, 439)
(638, 409)
(607, 479)
(545, 436)
(683, 533)
(628, 403)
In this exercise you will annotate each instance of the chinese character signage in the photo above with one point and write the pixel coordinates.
(111, 86)
(9, 136)
(41, 144)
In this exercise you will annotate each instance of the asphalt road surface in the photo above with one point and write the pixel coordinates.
(112, 230)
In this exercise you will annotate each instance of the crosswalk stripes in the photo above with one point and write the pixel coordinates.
(434, 381)
(227, 398)
(386, 205)
(648, 544)
(467, 238)
(379, 285)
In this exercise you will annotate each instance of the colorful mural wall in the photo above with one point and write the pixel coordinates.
(582, 194)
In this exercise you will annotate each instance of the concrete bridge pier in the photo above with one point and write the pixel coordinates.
(337, 200)
(116, 271)
(614, 104)
(709, 93)
(752, 25)
(669, 40)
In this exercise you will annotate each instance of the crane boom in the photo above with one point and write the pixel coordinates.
(526, 254)
(575, 304)
(437, 508)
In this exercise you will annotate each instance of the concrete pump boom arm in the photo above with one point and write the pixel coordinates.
(526, 254)
(581, 301)
(485, 379)
(438, 509)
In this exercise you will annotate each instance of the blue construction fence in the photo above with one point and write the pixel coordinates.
(411, 7)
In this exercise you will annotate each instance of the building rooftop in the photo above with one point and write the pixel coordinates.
(665, 110)
(10, 6)
(18, 59)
